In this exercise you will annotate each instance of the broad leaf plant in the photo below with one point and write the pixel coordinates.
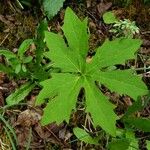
(63, 88)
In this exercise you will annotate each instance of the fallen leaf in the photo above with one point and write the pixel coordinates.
(28, 118)
(42, 132)
(103, 7)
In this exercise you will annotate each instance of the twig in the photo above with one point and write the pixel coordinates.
(4, 39)
(53, 134)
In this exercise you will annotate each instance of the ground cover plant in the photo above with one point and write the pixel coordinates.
(62, 89)
(121, 28)
(76, 73)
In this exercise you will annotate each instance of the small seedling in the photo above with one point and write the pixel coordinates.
(121, 28)
(16, 63)
(125, 28)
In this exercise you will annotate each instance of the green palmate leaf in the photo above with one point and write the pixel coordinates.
(75, 31)
(19, 94)
(139, 123)
(109, 17)
(51, 7)
(84, 136)
(130, 84)
(100, 108)
(115, 52)
(53, 85)
(24, 47)
(65, 102)
(63, 88)
(62, 56)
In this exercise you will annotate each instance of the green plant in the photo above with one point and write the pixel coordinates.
(109, 17)
(19, 94)
(131, 120)
(27, 63)
(124, 140)
(84, 136)
(125, 27)
(22, 65)
(121, 28)
(76, 74)
(148, 144)
(16, 63)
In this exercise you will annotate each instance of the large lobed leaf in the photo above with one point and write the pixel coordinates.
(63, 88)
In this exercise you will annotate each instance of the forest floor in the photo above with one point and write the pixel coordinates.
(17, 25)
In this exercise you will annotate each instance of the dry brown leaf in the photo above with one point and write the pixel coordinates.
(28, 118)
(88, 3)
(41, 131)
(102, 7)
(22, 135)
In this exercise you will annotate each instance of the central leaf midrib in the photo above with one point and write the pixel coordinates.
(89, 86)
(70, 60)
(74, 85)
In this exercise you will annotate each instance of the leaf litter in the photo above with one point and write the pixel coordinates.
(29, 119)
